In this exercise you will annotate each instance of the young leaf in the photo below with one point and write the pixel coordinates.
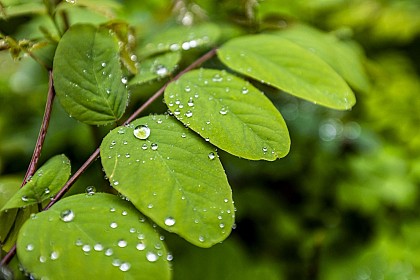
(229, 112)
(338, 54)
(98, 236)
(45, 183)
(289, 67)
(182, 38)
(156, 67)
(87, 75)
(8, 187)
(172, 176)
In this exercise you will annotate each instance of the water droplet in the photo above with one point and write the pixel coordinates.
(183, 135)
(226, 200)
(222, 225)
(127, 155)
(25, 198)
(177, 112)
(103, 64)
(169, 221)
(190, 102)
(150, 206)
(90, 190)
(133, 57)
(98, 247)
(29, 247)
(211, 155)
(86, 248)
(78, 242)
(116, 183)
(161, 70)
(116, 262)
(67, 215)
(47, 191)
(201, 238)
(187, 88)
(154, 146)
(217, 78)
(121, 130)
(140, 246)
(124, 80)
(174, 47)
(244, 90)
(264, 149)
(125, 266)
(42, 259)
(54, 255)
(113, 225)
(122, 243)
(109, 252)
(151, 257)
(223, 111)
(112, 209)
(142, 132)
(189, 114)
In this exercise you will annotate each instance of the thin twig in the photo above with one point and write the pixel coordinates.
(42, 131)
(96, 153)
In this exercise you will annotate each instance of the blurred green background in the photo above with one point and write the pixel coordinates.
(344, 204)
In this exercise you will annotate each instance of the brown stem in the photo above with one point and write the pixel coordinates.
(42, 132)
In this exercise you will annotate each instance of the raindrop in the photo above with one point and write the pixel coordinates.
(174, 47)
(124, 80)
(187, 88)
(140, 246)
(127, 155)
(29, 247)
(78, 242)
(112, 209)
(113, 225)
(151, 257)
(108, 252)
(116, 262)
(161, 70)
(183, 135)
(244, 90)
(25, 198)
(189, 114)
(177, 112)
(217, 78)
(116, 183)
(86, 248)
(144, 146)
(103, 64)
(222, 225)
(42, 259)
(223, 111)
(264, 149)
(133, 57)
(169, 257)
(169, 221)
(150, 206)
(47, 191)
(67, 215)
(90, 190)
(154, 146)
(125, 266)
(226, 200)
(54, 255)
(124, 213)
(122, 243)
(201, 238)
(132, 230)
(190, 102)
(142, 132)
(121, 130)
(98, 247)
(211, 155)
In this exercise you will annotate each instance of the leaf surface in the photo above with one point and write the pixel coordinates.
(172, 176)
(99, 236)
(45, 183)
(87, 75)
(287, 66)
(230, 113)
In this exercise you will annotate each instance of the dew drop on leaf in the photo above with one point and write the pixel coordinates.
(67, 215)
(98, 247)
(154, 146)
(151, 257)
(211, 155)
(140, 246)
(189, 114)
(90, 190)
(29, 247)
(161, 70)
(169, 221)
(122, 243)
(25, 198)
(142, 132)
(223, 111)
(125, 266)
(86, 248)
(113, 225)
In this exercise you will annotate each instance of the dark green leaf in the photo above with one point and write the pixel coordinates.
(285, 65)
(181, 38)
(230, 113)
(45, 183)
(171, 175)
(98, 236)
(87, 75)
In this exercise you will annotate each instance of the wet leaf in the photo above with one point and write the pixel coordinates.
(172, 176)
(99, 236)
(87, 75)
(287, 66)
(229, 112)
(43, 185)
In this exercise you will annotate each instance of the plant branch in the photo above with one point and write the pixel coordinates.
(96, 153)
(42, 132)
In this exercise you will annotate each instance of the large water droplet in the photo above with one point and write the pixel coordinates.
(169, 221)
(190, 102)
(98, 247)
(188, 114)
(211, 155)
(217, 78)
(54, 255)
(161, 70)
(86, 248)
(113, 225)
(29, 247)
(140, 246)
(201, 238)
(25, 198)
(154, 146)
(142, 132)
(244, 90)
(109, 252)
(122, 243)
(151, 257)
(125, 266)
(67, 215)
(223, 111)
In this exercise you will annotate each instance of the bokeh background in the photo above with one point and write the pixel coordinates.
(344, 204)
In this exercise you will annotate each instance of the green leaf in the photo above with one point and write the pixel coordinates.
(156, 67)
(181, 38)
(230, 113)
(99, 236)
(287, 66)
(45, 183)
(8, 187)
(87, 75)
(172, 176)
(340, 55)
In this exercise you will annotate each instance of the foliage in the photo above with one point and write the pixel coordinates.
(342, 204)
